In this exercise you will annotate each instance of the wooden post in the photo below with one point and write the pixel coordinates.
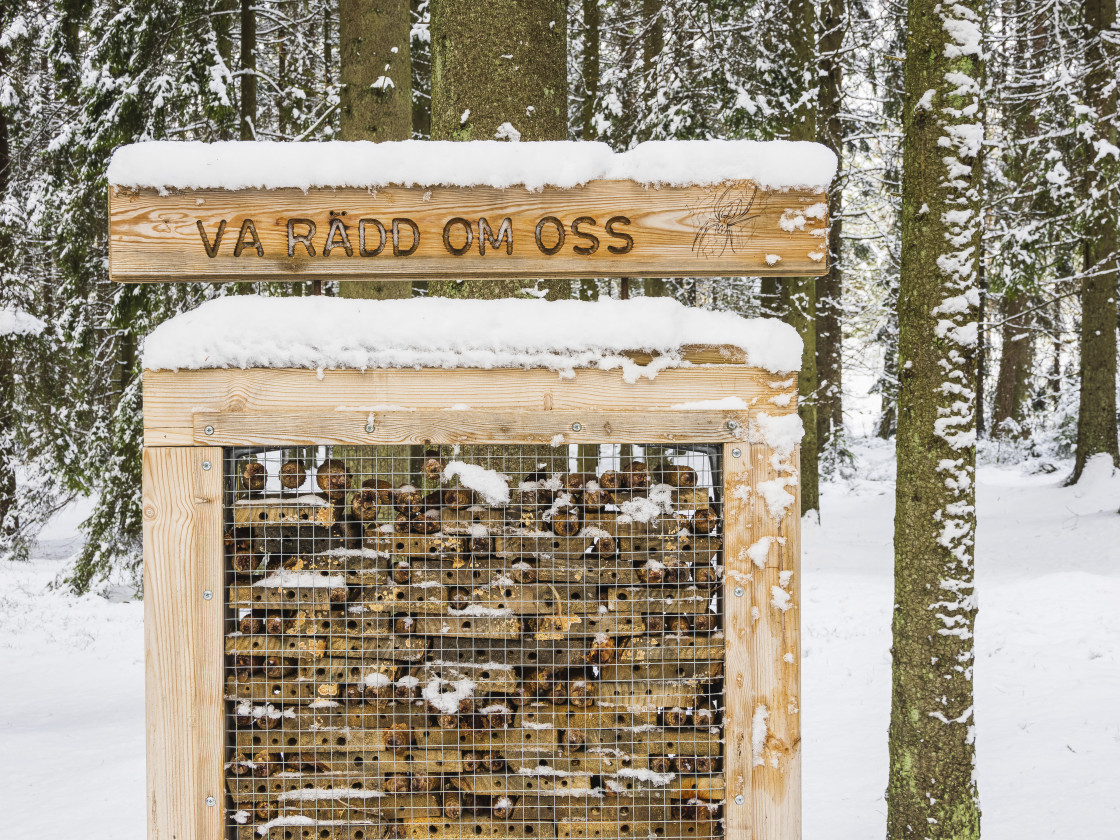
(763, 543)
(185, 740)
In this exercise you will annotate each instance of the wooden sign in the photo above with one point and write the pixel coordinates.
(602, 229)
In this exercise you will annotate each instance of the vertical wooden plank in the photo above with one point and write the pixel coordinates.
(737, 628)
(183, 642)
(767, 492)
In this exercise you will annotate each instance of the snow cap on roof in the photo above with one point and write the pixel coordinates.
(325, 332)
(236, 165)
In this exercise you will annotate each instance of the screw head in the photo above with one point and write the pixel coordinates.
(736, 453)
(369, 428)
(205, 465)
(576, 427)
(211, 801)
(732, 425)
(738, 592)
(209, 430)
(739, 799)
(207, 595)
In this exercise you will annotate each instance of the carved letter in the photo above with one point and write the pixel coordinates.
(625, 237)
(247, 226)
(505, 231)
(362, 237)
(304, 238)
(343, 238)
(560, 233)
(451, 249)
(585, 250)
(211, 250)
(397, 252)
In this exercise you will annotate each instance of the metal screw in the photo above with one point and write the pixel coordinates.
(576, 427)
(735, 453)
(369, 428)
(207, 595)
(205, 465)
(211, 801)
(739, 799)
(738, 592)
(732, 425)
(209, 430)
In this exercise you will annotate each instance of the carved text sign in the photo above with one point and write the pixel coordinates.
(602, 229)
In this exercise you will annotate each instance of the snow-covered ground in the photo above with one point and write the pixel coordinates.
(1047, 673)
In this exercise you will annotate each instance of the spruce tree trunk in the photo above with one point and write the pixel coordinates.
(592, 22)
(496, 63)
(799, 294)
(1012, 384)
(8, 524)
(375, 74)
(1096, 420)
(248, 120)
(830, 410)
(931, 789)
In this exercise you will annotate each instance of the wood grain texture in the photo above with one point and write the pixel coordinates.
(774, 640)
(737, 662)
(466, 427)
(183, 642)
(729, 229)
(172, 398)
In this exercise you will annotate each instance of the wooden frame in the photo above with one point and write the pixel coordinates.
(190, 415)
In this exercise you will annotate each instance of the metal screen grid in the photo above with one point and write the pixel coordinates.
(480, 642)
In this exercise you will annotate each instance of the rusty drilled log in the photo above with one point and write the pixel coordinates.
(333, 479)
(253, 476)
(292, 475)
(704, 521)
(635, 475)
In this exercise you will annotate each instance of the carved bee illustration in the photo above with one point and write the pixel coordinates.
(723, 219)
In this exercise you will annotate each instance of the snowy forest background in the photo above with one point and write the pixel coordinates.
(80, 77)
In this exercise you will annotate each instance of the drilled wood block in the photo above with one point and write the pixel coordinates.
(648, 694)
(667, 600)
(476, 626)
(352, 806)
(485, 740)
(397, 648)
(586, 569)
(685, 669)
(466, 521)
(562, 626)
(257, 596)
(246, 789)
(543, 716)
(436, 546)
(518, 784)
(285, 691)
(654, 741)
(403, 600)
(287, 510)
(541, 545)
(488, 678)
(462, 572)
(366, 830)
(477, 828)
(348, 670)
(672, 649)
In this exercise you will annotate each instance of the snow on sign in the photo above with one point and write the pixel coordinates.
(306, 211)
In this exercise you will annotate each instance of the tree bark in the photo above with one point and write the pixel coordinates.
(375, 73)
(830, 413)
(1012, 385)
(9, 526)
(248, 120)
(799, 294)
(1096, 420)
(496, 63)
(931, 789)
(592, 23)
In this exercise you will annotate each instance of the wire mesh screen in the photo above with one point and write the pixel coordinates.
(504, 641)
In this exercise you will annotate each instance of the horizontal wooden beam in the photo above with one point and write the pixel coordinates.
(466, 427)
(603, 228)
(303, 406)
